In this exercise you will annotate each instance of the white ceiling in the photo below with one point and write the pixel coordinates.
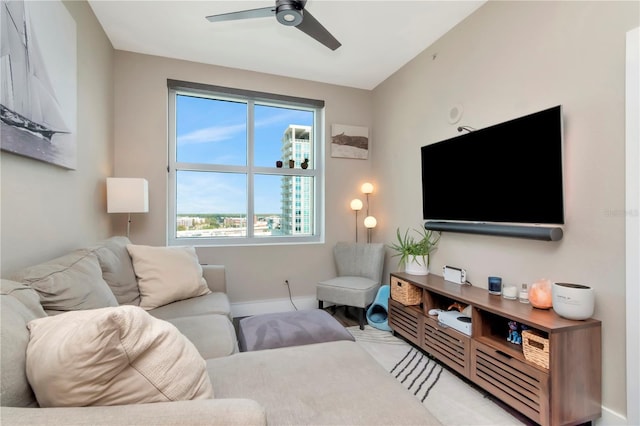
(378, 37)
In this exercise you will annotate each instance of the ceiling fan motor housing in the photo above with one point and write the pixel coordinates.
(289, 12)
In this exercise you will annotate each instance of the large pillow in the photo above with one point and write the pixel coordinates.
(19, 304)
(69, 283)
(112, 356)
(117, 269)
(167, 274)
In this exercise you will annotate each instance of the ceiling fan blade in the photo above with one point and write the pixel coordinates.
(263, 12)
(313, 28)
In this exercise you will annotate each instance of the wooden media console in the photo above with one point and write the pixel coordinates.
(565, 388)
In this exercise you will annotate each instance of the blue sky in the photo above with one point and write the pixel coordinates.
(215, 132)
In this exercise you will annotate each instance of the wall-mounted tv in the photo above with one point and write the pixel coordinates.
(510, 173)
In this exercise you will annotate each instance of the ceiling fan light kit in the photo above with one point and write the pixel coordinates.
(290, 13)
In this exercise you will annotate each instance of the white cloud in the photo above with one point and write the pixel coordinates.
(212, 134)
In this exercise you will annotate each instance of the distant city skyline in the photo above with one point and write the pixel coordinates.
(214, 132)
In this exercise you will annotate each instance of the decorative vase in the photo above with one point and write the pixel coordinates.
(292, 164)
(305, 163)
(278, 164)
(417, 266)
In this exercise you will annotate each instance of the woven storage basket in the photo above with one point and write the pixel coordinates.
(404, 292)
(535, 348)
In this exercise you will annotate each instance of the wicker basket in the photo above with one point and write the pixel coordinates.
(535, 348)
(404, 292)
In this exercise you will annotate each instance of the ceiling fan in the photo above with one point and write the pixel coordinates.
(287, 12)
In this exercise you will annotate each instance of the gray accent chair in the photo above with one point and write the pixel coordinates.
(359, 267)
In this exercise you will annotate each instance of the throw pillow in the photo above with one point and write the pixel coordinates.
(112, 356)
(167, 274)
(117, 269)
(69, 283)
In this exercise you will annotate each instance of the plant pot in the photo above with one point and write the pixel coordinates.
(417, 266)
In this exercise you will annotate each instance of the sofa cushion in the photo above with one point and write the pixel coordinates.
(332, 383)
(212, 303)
(167, 274)
(112, 356)
(68, 283)
(19, 304)
(117, 269)
(213, 335)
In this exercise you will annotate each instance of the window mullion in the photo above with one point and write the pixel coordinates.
(250, 163)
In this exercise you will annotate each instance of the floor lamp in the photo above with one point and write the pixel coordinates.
(370, 222)
(356, 205)
(127, 195)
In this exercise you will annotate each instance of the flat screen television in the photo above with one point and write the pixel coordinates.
(506, 173)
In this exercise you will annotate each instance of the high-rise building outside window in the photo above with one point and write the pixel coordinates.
(229, 175)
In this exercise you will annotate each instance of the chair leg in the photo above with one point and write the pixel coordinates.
(361, 318)
(320, 305)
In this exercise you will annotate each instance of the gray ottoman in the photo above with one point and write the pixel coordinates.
(269, 331)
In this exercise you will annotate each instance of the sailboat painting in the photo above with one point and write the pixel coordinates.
(38, 83)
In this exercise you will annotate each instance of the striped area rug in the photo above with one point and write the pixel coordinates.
(452, 400)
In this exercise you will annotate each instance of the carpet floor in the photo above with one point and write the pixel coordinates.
(450, 398)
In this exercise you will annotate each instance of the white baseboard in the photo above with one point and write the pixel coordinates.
(610, 417)
(257, 307)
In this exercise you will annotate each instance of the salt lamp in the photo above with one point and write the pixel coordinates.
(540, 294)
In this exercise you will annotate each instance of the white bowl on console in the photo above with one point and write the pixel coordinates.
(573, 301)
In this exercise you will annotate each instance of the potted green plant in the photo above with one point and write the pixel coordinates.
(414, 250)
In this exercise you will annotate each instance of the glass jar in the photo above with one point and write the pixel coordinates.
(523, 297)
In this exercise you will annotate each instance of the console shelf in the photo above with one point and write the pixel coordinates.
(567, 392)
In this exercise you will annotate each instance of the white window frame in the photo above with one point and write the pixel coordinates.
(175, 88)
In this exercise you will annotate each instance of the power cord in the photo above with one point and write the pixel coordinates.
(290, 298)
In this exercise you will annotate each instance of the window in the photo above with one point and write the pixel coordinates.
(224, 185)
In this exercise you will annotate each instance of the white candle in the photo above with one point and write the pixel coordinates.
(510, 291)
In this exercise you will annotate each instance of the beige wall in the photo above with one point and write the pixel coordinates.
(253, 272)
(47, 210)
(510, 59)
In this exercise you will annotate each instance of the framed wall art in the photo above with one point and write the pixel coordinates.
(38, 81)
(349, 141)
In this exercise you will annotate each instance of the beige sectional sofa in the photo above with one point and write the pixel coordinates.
(324, 383)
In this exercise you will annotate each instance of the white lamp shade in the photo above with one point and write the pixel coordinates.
(370, 222)
(356, 204)
(367, 188)
(127, 195)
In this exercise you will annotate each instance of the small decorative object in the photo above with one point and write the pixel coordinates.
(524, 294)
(495, 285)
(573, 301)
(414, 253)
(455, 306)
(305, 163)
(540, 294)
(292, 164)
(510, 292)
(514, 336)
(278, 164)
